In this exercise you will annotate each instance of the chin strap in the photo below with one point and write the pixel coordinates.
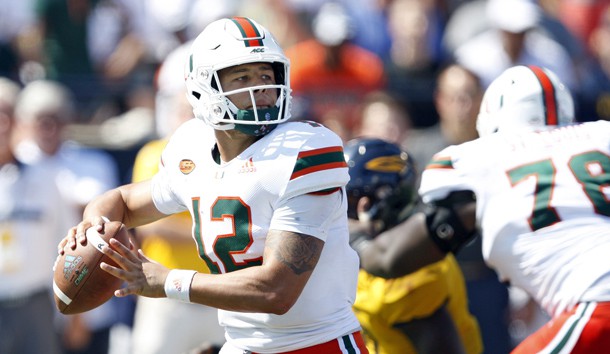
(255, 130)
(264, 115)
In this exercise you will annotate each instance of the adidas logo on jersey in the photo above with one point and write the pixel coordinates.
(247, 167)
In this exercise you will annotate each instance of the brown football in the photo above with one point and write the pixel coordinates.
(79, 284)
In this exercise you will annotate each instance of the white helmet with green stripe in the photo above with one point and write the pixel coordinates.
(525, 98)
(229, 42)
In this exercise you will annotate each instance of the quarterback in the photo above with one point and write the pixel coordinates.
(538, 186)
(267, 202)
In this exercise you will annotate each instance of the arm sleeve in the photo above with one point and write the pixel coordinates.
(440, 177)
(319, 165)
(162, 192)
(309, 214)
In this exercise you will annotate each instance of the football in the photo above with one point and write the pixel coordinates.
(79, 284)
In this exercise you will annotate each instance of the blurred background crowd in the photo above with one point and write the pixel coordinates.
(108, 52)
(408, 71)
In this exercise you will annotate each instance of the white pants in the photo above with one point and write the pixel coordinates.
(163, 326)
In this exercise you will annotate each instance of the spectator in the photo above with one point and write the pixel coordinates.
(457, 98)
(33, 216)
(595, 98)
(384, 117)
(117, 35)
(581, 17)
(415, 28)
(43, 110)
(60, 44)
(334, 74)
(514, 39)
(16, 18)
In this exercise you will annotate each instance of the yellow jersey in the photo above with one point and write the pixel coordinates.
(382, 303)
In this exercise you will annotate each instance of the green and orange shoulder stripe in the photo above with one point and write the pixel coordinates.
(440, 162)
(317, 160)
(311, 161)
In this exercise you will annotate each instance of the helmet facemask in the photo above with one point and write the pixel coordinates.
(221, 46)
(255, 121)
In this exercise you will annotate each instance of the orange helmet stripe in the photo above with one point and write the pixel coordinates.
(252, 38)
(548, 91)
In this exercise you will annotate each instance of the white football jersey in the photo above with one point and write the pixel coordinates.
(543, 203)
(235, 204)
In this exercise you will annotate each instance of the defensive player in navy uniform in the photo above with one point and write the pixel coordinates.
(422, 312)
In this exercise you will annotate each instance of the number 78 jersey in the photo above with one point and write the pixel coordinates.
(543, 204)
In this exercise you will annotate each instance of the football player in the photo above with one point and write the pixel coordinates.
(267, 201)
(422, 312)
(537, 185)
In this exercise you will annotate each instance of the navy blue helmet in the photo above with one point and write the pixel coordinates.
(385, 174)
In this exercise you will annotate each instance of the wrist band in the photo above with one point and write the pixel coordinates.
(178, 284)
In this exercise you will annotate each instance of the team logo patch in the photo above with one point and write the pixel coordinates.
(186, 166)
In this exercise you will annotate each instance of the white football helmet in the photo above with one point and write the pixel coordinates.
(525, 98)
(230, 42)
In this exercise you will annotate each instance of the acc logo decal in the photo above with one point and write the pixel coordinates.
(186, 166)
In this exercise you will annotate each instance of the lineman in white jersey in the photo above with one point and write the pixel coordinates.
(542, 202)
(267, 200)
(527, 185)
(543, 207)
